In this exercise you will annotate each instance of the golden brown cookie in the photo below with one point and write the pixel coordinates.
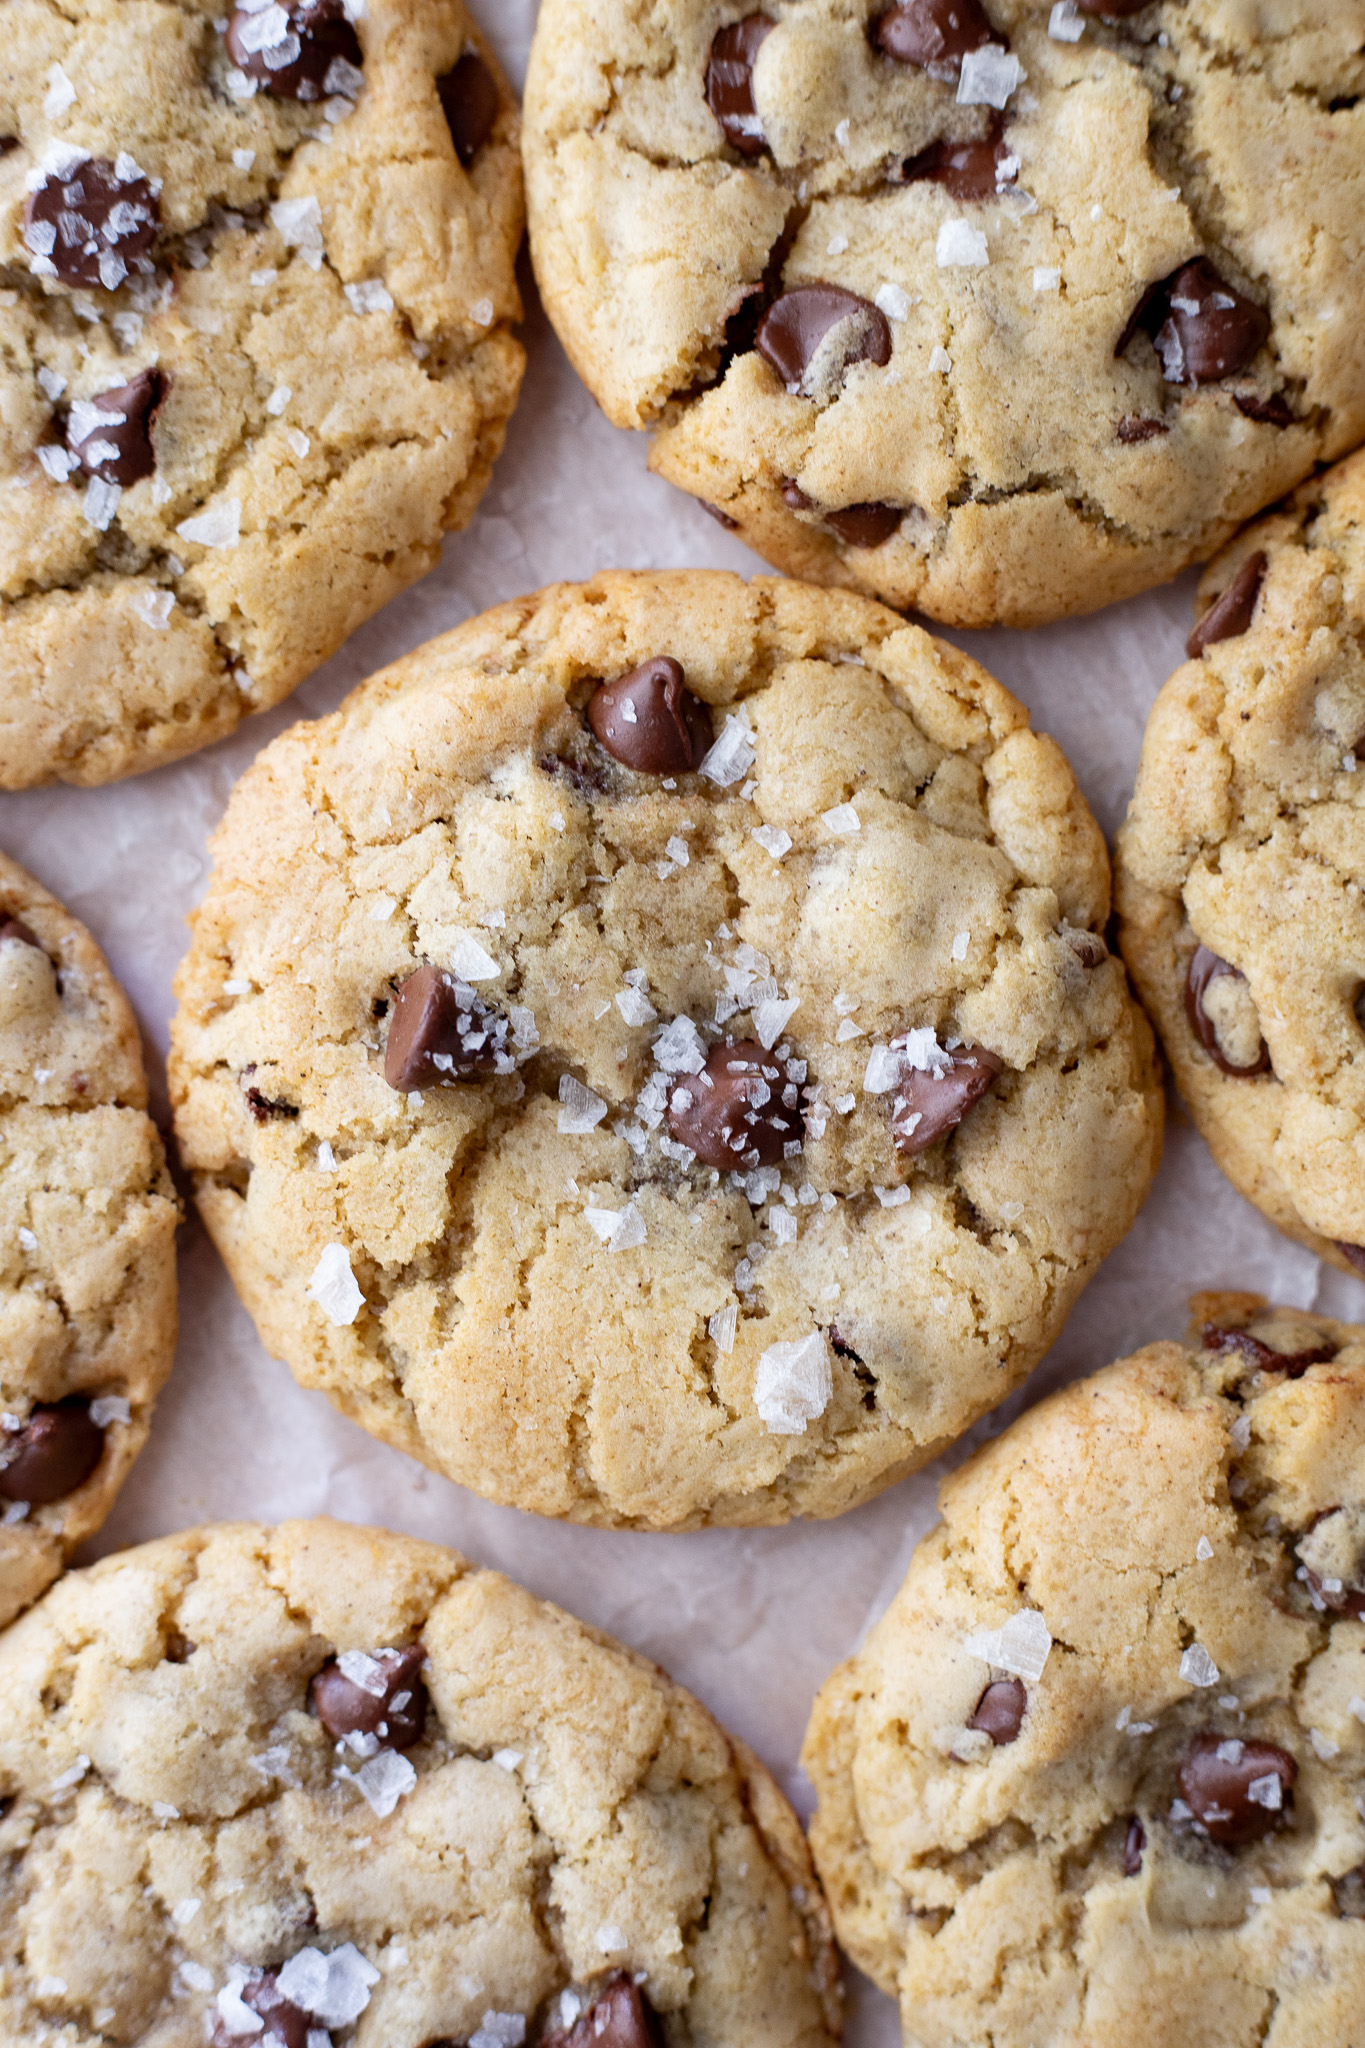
(652, 1053)
(1097, 1777)
(1238, 873)
(87, 1240)
(256, 359)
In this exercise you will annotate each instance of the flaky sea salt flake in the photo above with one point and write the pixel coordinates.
(892, 300)
(678, 1049)
(988, 77)
(773, 840)
(60, 94)
(940, 362)
(333, 1286)
(842, 820)
(1197, 1667)
(1064, 25)
(1020, 1645)
(960, 246)
(721, 1327)
(580, 1110)
(1203, 1550)
(891, 1198)
(732, 754)
(1267, 1792)
(636, 1007)
(110, 1408)
(369, 296)
(793, 1384)
(499, 2030)
(960, 945)
(219, 526)
(471, 962)
(153, 607)
(770, 1019)
(610, 1938)
(101, 503)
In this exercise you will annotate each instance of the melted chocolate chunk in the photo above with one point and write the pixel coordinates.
(15, 928)
(1229, 616)
(1237, 1790)
(284, 2022)
(1204, 968)
(649, 720)
(1354, 1253)
(91, 226)
(112, 434)
(289, 50)
(865, 526)
(1088, 947)
(1000, 1710)
(925, 1105)
(619, 2017)
(1202, 327)
(439, 1030)
(730, 82)
(1293, 1363)
(1134, 427)
(1271, 412)
(935, 34)
(736, 1112)
(791, 331)
(793, 495)
(1134, 1842)
(53, 1453)
(390, 1704)
(966, 170)
(1333, 1554)
(469, 101)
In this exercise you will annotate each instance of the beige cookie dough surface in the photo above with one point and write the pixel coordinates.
(563, 1309)
(1246, 834)
(87, 1221)
(1154, 1522)
(331, 307)
(1212, 128)
(177, 1820)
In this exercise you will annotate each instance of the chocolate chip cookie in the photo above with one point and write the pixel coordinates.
(87, 1240)
(652, 1054)
(256, 297)
(1098, 1774)
(998, 308)
(1240, 866)
(331, 1788)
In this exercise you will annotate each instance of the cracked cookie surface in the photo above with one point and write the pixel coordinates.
(198, 1827)
(1096, 1776)
(1238, 877)
(1036, 434)
(789, 1098)
(87, 1240)
(297, 312)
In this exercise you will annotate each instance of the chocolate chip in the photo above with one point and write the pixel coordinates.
(936, 34)
(1293, 1363)
(15, 928)
(730, 82)
(440, 1031)
(1202, 327)
(1134, 427)
(263, 1107)
(865, 526)
(469, 101)
(1271, 412)
(1353, 1253)
(52, 1454)
(1134, 1842)
(735, 1113)
(391, 1703)
(92, 225)
(721, 518)
(649, 720)
(999, 1712)
(1205, 967)
(1088, 947)
(306, 38)
(112, 434)
(1216, 1781)
(1228, 617)
(966, 170)
(925, 1105)
(7, 143)
(791, 333)
(793, 495)
(284, 2021)
(619, 2017)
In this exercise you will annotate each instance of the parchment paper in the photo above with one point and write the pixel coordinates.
(752, 1622)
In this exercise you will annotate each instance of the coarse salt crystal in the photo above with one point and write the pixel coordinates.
(243, 159)
(110, 1408)
(369, 296)
(52, 385)
(217, 527)
(883, 1070)
(58, 462)
(1064, 25)
(60, 94)
(960, 246)
(333, 1286)
(470, 961)
(988, 77)
(1260, 1894)
(847, 1030)
(184, 1911)
(326, 1157)
(50, 1987)
(636, 1007)
(101, 503)
(721, 1327)
(1203, 1550)
(1046, 278)
(891, 1198)
(892, 300)
(842, 820)
(1240, 1433)
(27, 1241)
(843, 1103)
(1197, 1667)
(481, 312)
(499, 2030)
(836, 245)
(71, 1776)
(508, 1759)
(732, 754)
(1020, 1645)
(153, 607)
(163, 1810)
(770, 1019)
(278, 399)
(793, 1384)
(334, 1988)
(940, 362)
(1356, 1705)
(841, 134)
(1267, 1792)
(382, 1781)
(297, 440)
(773, 840)
(960, 945)
(1323, 1746)
(678, 1049)
(580, 1110)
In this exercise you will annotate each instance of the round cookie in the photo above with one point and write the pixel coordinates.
(87, 1240)
(1238, 878)
(248, 389)
(1002, 311)
(710, 1139)
(323, 1784)
(1097, 1777)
